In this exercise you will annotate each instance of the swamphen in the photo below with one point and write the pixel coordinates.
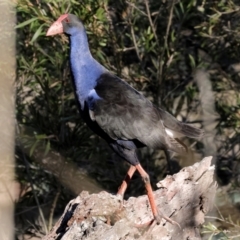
(116, 111)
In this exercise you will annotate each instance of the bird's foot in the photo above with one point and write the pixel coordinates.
(148, 227)
(121, 200)
(156, 221)
(159, 216)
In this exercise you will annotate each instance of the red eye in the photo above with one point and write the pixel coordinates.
(67, 20)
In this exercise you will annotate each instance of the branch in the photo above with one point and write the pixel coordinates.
(150, 21)
(185, 197)
(165, 48)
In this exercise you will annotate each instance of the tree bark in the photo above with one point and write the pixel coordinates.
(184, 197)
(7, 118)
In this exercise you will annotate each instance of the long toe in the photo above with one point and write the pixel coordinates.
(159, 217)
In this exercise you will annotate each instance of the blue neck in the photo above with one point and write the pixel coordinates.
(86, 70)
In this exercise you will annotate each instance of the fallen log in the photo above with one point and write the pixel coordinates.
(184, 197)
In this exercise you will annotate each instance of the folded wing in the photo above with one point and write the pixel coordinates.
(125, 114)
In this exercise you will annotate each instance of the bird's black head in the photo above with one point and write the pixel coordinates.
(67, 23)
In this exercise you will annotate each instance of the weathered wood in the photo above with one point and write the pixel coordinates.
(184, 197)
(7, 118)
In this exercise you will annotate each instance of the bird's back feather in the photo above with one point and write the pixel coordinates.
(125, 114)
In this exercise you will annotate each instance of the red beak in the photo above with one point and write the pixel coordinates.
(56, 27)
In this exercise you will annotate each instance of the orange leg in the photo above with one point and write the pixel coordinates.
(126, 181)
(150, 195)
(156, 213)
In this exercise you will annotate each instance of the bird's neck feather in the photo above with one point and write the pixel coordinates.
(86, 70)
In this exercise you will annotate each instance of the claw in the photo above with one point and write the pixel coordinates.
(159, 217)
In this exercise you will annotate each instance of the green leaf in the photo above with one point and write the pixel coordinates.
(103, 44)
(23, 24)
(36, 34)
(100, 13)
(48, 147)
(191, 4)
(172, 35)
(181, 7)
(40, 136)
(192, 61)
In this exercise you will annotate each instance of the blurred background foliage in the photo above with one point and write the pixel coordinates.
(179, 54)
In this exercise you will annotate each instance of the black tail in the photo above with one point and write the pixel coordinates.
(191, 131)
(176, 126)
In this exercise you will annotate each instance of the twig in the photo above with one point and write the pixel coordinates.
(132, 29)
(113, 38)
(218, 211)
(29, 209)
(54, 204)
(125, 49)
(134, 6)
(165, 47)
(133, 36)
(236, 236)
(134, 41)
(151, 22)
(174, 89)
(222, 220)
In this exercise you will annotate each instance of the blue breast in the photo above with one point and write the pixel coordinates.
(86, 70)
